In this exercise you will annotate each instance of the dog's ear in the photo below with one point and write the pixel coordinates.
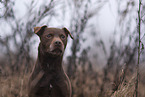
(39, 30)
(67, 32)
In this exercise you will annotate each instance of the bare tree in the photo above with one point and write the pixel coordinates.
(78, 25)
(124, 50)
(79, 20)
(22, 31)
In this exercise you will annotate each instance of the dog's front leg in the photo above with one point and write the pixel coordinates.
(61, 86)
(34, 83)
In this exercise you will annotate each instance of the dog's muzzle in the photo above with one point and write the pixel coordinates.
(57, 48)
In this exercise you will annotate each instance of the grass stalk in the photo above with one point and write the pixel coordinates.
(139, 42)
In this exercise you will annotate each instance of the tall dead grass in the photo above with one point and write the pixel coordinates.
(13, 86)
(125, 89)
(85, 84)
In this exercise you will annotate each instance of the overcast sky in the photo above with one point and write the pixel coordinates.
(105, 20)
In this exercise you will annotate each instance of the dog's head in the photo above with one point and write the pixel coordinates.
(52, 40)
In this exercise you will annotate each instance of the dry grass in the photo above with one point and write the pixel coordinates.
(13, 86)
(85, 84)
(126, 89)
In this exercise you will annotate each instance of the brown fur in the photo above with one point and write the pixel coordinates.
(48, 78)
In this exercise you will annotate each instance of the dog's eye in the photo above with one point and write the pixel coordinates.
(49, 36)
(62, 37)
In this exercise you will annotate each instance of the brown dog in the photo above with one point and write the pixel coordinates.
(48, 78)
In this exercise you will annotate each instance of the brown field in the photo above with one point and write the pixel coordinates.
(84, 84)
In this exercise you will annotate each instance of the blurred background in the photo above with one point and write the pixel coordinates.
(101, 61)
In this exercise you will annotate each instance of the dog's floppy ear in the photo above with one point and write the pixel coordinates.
(39, 30)
(67, 32)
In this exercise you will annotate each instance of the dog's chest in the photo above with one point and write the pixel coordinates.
(51, 76)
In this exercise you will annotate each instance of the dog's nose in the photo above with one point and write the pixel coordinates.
(58, 43)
